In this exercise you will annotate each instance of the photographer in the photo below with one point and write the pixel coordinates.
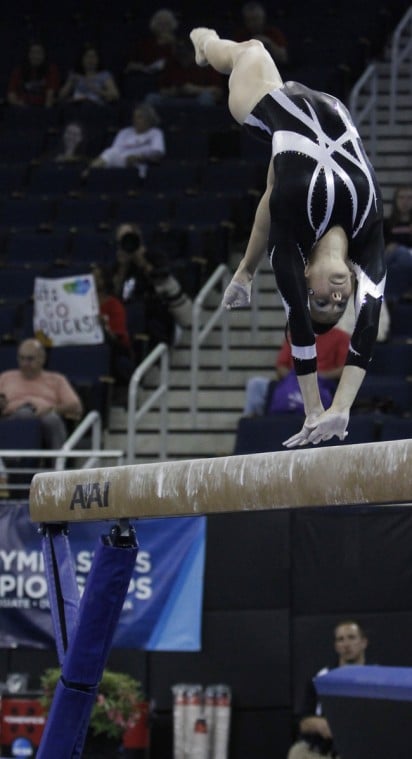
(145, 275)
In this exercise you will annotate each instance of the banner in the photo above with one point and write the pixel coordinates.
(66, 311)
(163, 607)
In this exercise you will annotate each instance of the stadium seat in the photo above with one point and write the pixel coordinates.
(16, 284)
(91, 247)
(83, 211)
(394, 358)
(113, 181)
(12, 178)
(20, 434)
(33, 248)
(8, 357)
(395, 428)
(150, 208)
(172, 176)
(55, 179)
(230, 176)
(26, 211)
(401, 319)
(88, 368)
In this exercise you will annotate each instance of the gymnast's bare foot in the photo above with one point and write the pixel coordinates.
(198, 37)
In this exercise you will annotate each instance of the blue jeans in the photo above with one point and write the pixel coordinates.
(399, 272)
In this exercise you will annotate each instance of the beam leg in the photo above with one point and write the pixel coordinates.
(64, 593)
(89, 644)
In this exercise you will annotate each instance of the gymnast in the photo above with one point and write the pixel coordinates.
(320, 220)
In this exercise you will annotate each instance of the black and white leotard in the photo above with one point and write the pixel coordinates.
(323, 179)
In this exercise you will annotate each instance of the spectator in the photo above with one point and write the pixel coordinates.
(398, 244)
(35, 81)
(138, 145)
(144, 275)
(255, 26)
(114, 323)
(30, 390)
(182, 82)
(315, 737)
(89, 82)
(398, 225)
(155, 49)
(73, 144)
(262, 393)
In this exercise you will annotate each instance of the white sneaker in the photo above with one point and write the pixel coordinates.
(198, 37)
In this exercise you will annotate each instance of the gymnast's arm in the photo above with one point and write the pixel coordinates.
(238, 292)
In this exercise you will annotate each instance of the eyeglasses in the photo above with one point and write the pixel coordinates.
(27, 358)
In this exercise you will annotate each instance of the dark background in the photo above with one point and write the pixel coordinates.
(276, 583)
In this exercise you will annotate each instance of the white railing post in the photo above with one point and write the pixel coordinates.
(254, 306)
(369, 79)
(92, 421)
(220, 276)
(161, 352)
(400, 50)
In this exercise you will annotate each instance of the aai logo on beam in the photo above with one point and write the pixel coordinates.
(90, 495)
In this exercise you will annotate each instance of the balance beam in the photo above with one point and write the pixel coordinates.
(370, 473)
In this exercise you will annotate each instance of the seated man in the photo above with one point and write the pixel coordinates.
(315, 737)
(32, 391)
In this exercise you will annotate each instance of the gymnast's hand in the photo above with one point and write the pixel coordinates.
(238, 293)
(320, 427)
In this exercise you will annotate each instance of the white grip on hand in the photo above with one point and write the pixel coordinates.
(237, 295)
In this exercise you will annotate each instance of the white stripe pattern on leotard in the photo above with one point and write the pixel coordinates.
(325, 152)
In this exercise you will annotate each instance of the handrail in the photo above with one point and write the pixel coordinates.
(133, 417)
(220, 276)
(92, 421)
(91, 455)
(369, 78)
(398, 55)
(254, 305)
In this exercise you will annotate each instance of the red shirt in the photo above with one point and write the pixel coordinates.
(331, 348)
(272, 32)
(32, 90)
(115, 311)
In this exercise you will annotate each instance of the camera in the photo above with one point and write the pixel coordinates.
(129, 242)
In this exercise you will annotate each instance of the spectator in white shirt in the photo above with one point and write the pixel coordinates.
(138, 145)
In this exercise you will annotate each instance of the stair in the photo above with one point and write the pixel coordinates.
(220, 398)
(393, 163)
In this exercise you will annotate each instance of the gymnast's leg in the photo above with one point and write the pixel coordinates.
(253, 73)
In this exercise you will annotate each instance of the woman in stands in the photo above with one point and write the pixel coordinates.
(89, 82)
(319, 219)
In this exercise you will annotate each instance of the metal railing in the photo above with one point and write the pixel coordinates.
(401, 50)
(89, 456)
(92, 422)
(220, 277)
(368, 83)
(134, 416)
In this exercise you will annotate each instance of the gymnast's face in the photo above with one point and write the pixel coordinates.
(329, 289)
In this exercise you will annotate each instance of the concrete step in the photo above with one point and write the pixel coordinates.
(384, 129)
(389, 144)
(239, 338)
(393, 161)
(248, 355)
(219, 397)
(394, 175)
(180, 443)
(214, 378)
(180, 419)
